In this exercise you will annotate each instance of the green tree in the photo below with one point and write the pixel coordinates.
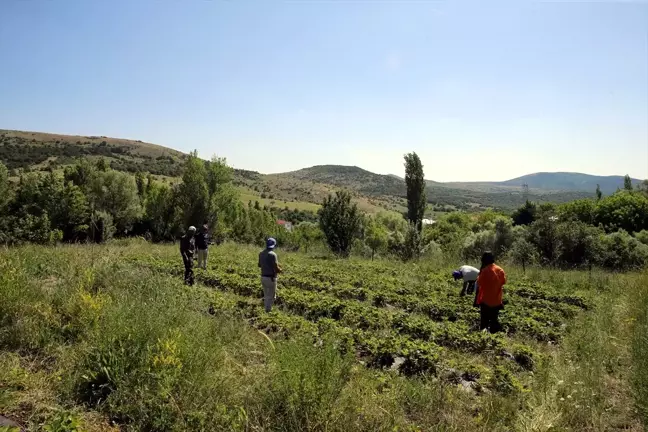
(219, 174)
(140, 181)
(622, 251)
(115, 193)
(412, 244)
(523, 252)
(415, 181)
(623, 210)
(102, 165)
(627, 183)
(599, 194)
(578, 243)
(81, 174)
(526, 214)
(503, 235)
(340, 222)
(583, 210)
(163, 215)
(193, 193)
(376, 237)
(308, 233)
(543, 234)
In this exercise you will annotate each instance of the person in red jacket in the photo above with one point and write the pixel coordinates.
(490, 281)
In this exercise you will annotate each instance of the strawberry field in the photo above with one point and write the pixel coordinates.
(393, 315)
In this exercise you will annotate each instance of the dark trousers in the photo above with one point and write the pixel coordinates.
(468, 288)
(489, 318)
(188, 274)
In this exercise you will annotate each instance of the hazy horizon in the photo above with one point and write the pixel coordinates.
(481, 92)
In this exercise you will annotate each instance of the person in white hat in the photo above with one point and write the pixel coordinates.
(269, 265)
(187, 249)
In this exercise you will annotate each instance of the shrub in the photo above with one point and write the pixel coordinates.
(642, 236)
(622, 251)
(305, 384)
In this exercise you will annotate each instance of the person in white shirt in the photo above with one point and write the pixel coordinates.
(469, 275)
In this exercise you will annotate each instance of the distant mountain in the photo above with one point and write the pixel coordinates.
(568, 181)
(455, 195)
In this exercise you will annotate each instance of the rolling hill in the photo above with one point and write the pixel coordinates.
(305, 188)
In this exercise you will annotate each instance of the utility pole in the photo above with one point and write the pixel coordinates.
(525, 192)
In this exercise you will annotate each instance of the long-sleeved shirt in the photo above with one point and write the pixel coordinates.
(187, 246)
(490, 281)
(202, 240)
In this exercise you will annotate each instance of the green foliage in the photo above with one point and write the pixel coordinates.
(579, 243)
(412, 244)
(544, 236)
(352, 345)
(308, 383)
(580, 210)
(115, 193)
(340, 222)
(415, 182)
(620, 250)
(63, 421)
(627, 183)
(376, 237)
(4, 186)
(623, 210)
(526, 214)
(523, 252)
(599, 194)
(307, 234)
(642, 236)
(162, 212)
(193, 194)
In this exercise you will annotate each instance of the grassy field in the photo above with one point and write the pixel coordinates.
(108, 338)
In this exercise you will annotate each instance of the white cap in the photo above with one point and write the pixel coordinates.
(192, 228)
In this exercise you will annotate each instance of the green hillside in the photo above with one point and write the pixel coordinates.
(302, 189)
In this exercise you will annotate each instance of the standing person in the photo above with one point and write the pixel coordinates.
(187, 248)
(489, 294)
(469, 275)
(202, 244)
(269, 265)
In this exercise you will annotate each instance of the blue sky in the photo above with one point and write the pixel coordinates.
(480, 90)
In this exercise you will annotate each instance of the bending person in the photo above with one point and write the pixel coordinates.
(469, 275)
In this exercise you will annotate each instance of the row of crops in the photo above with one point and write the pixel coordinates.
(390, 314)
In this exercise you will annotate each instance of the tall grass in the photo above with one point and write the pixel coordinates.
(640, 348)
(91, 337)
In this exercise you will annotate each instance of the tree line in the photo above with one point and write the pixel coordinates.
(89, 201)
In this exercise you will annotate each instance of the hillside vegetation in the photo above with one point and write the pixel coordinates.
(373, 192)
(35, 150)
(107, 338)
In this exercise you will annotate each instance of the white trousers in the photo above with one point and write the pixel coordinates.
(269, 291)
(202, 258)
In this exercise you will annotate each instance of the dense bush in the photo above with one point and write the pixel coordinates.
(620, 250)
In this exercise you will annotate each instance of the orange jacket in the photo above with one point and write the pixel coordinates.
(490, 281)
